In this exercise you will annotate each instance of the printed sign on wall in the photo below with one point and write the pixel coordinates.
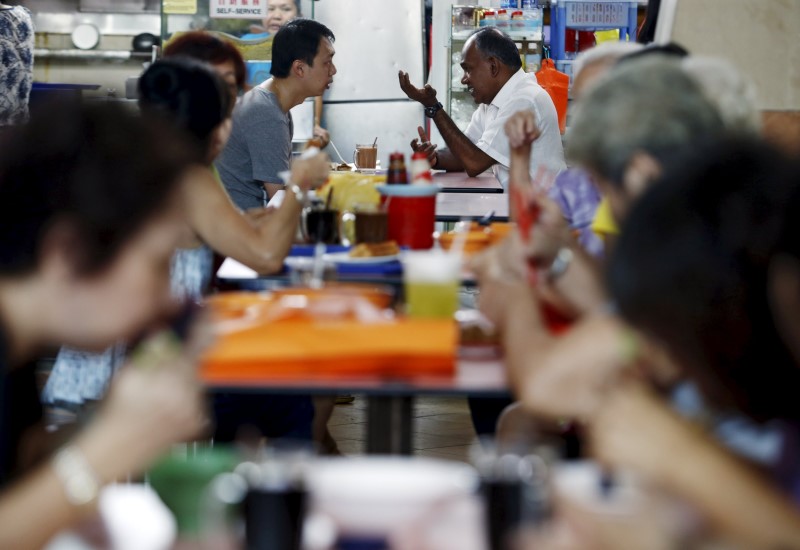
(237, 9)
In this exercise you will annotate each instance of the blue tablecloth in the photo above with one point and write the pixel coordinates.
(383, 268)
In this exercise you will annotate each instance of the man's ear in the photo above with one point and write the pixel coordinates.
(784, 297)
(642, 170)
(298, 68)
(494, 66)
(61, 252)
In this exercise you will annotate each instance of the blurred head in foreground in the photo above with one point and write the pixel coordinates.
(222, 55)
(693, 268)
(193, 97)
(88, 222)
(643, 116)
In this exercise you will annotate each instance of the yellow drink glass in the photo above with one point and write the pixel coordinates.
(431, 280)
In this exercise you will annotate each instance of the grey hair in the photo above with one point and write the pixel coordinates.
(729, 90)
(645, 105)
(607, 52)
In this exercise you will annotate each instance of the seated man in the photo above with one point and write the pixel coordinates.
(494, 77)
(260, 146)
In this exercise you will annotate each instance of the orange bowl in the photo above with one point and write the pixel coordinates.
(380, 296)
(476, 241)
(498, 231)
(236, 305)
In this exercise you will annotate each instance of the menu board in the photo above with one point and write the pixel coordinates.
(237, 9)
(180, 7)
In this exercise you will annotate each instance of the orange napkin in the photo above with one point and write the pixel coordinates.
(295, 348)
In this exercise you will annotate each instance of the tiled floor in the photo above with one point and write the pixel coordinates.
(442, 427)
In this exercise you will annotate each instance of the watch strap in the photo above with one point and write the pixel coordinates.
(430, 112)
(80, 482)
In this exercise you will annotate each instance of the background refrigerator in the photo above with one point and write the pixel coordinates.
(374, 40)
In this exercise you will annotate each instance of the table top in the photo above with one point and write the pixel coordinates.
(472, 377)
(242, 277)
(460, 182)
(451, 207)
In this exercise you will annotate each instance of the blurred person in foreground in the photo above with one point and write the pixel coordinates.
(220, 54)
(638, 106)
(89, 224)
(573, 190)
(576, 196)
(195, 98)
(641, 117)
(706, 265)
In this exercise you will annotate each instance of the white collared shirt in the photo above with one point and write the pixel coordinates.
(486, 131)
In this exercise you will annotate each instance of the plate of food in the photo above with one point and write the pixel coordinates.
(367, 253)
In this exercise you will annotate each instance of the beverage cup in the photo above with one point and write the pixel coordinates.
(431, 280)
(411, 220)
(368, 223)
(321, 225)
(365, 156)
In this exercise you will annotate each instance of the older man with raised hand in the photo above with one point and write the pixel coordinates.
(494, 77)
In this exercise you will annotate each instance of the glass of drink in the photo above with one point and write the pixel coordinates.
(365, 157)
(431, 279)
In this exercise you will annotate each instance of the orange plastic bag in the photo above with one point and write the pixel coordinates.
(556, 84)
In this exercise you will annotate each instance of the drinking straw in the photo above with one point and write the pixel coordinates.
(461, 229)
(375, 143)
(318, 266)
(338, 154)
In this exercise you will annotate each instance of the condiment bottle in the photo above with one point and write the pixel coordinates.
(489, 19)
(517, 23)
(502, 20)
(397, 169)
(420, 169)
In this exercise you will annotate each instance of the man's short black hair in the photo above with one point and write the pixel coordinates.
(492, 42)
(297, 39)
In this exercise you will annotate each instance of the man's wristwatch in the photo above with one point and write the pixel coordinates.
(80, 482)
(430, 112)
(300, 194)
(560, 264)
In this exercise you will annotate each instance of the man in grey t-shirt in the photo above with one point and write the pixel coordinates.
(260, 145)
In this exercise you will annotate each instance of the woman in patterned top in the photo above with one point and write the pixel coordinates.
(16, 63)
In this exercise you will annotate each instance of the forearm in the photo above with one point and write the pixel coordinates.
(280, 231)
(272, 188)
(519, 168)
(318, 111)
(445, 160)
(39, 495)
(473, 160)
(526, 340)
(264, 248)
(581, 285)
(740, 504)
(220, 225)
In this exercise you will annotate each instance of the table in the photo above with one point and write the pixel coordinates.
(460, 182)
(234, 275)
(389, 401)
(451, 207)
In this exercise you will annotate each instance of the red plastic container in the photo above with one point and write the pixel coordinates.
(411, 220)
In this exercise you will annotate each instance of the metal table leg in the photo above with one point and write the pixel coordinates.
(389, 423)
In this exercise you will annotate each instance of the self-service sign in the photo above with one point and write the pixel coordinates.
(237, 9)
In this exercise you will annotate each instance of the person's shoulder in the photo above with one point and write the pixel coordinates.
(256, 105)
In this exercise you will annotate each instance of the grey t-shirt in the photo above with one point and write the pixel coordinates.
(260, 146)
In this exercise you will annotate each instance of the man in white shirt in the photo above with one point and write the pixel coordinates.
(494, 77)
